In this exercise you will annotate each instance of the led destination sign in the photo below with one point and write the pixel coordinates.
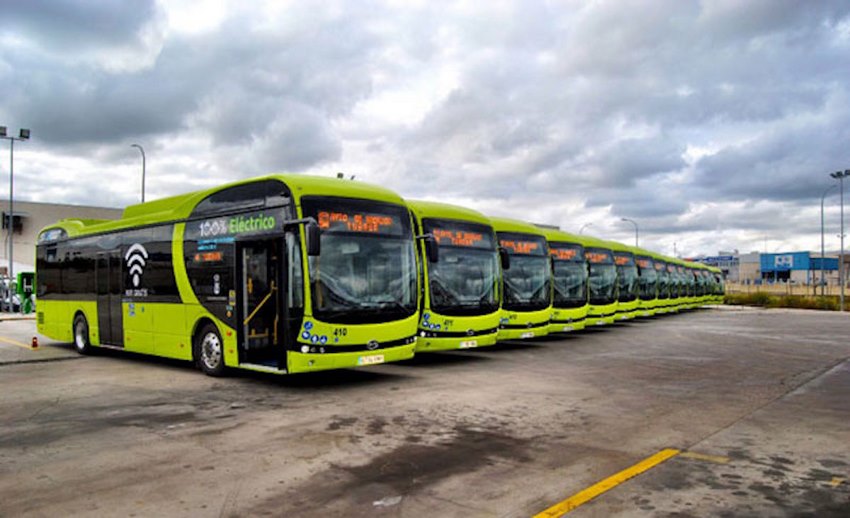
(623, 260)
(643, 263)
(562, 252)
(599, 257)
(462, 234)
(351, 221)
(516, 246)
(463, 238)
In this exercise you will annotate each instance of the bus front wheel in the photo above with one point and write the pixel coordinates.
(209, 351)
(81, 335)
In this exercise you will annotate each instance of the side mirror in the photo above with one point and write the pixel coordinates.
(313, 236)
(505, 258)
(432, 249)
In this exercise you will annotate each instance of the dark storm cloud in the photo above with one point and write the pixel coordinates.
(622, 92)
(282, 86)
(64, 26)
(691, 116)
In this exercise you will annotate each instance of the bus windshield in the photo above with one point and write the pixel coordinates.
(648, 279)
(569, 275)
(366, 271)
(663, 280)
(527, 280)
(627, 276)
(602, 279)
(464, 280)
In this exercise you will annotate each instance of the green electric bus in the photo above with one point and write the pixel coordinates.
(281, 274)
(675, 285)
(461, 304)
(627, 281)
(569, 281)
(664, 286)
(647, 283)
(526, 283)
(602, 282)
(693, 275)
(718, 287)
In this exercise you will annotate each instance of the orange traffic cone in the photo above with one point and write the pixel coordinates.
(35, 342)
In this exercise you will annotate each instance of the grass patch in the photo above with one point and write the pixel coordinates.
(766, 300)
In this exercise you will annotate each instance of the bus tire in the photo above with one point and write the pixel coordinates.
(81, 335)
(209, 350)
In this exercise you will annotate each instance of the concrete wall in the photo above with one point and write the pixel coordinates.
(36, 216)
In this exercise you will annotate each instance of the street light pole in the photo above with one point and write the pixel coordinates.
(581, 230)
(23, 134)
(633, 222)
(840, 177)
(142, 150)
(822, 254)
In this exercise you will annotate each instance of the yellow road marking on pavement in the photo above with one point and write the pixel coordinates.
(717, 459)
(836, 481)
(602, 486)
(14, 342)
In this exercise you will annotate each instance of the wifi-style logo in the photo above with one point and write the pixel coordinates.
(136, 258)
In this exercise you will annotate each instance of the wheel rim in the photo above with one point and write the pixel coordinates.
(80, 335)
(211, 351)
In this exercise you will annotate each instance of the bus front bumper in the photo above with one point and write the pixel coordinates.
(309, 362)
(523, 333)
(431, 344)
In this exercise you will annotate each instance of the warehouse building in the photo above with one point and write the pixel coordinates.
(29, 218)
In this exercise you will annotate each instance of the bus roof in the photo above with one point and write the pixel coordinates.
(179, 207)
(515, 225)
(616, 246)
(430, 209)
(595, 242)
(559, 236)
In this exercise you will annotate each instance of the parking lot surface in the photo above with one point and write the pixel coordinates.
(756, 404)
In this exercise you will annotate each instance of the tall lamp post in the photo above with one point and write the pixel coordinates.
(23, 134)
(142, 150)
(581, 230)
(840, 177)
(633, 222)
(822, 254)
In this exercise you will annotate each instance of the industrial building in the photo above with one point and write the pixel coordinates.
(29, 218)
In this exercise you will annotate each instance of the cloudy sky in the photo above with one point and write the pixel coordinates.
(713, 124)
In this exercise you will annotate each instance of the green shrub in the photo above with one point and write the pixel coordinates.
(782, 301)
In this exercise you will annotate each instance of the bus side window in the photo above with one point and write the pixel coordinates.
(295, 291)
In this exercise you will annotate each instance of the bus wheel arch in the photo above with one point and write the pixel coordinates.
(208, 348)
(80, 332)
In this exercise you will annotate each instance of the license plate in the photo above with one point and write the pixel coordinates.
(467, 344)
(528, 334)
(370, 360)
(568, 328)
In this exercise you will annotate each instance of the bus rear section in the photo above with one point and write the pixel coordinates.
(461, 277)
(602, 283)
(526, 282)
(569, 282)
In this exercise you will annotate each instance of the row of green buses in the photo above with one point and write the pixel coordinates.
(293, 273)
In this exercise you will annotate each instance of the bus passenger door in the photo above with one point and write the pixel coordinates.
(260, 313)
(110, 319)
